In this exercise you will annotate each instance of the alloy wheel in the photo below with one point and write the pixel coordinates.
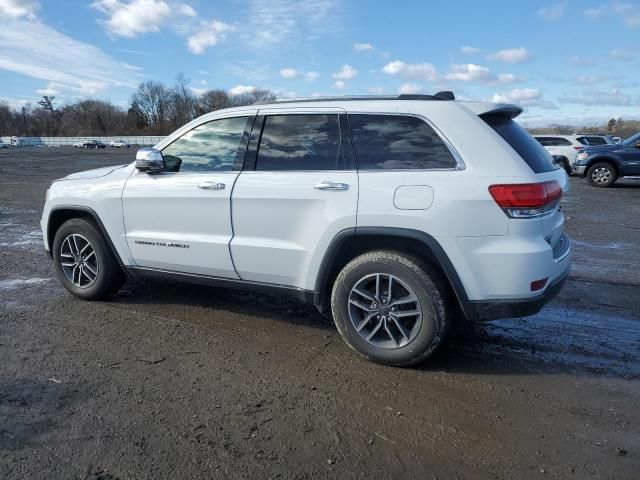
(385, 311)
(79, 261)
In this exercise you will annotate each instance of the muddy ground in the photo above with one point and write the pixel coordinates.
(180, 381)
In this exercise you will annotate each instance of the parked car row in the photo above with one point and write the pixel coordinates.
(99, 144)
(603, 159)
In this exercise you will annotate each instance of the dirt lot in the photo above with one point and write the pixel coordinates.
(177, 381)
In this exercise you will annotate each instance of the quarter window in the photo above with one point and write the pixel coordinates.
(210, 147)
(300, 142)
(385, 142)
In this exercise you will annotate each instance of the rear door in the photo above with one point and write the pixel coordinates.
(298, 190)
(180, 219)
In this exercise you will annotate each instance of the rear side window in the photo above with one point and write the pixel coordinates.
(385, 142)
(300, 142)
(595, 140)
(524, 144)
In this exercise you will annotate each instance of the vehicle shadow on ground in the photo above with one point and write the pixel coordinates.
(545, 343)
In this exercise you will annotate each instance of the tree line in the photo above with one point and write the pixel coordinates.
(155, 109)
(158, 109)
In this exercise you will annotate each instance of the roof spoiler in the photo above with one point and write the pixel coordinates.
(507, 111)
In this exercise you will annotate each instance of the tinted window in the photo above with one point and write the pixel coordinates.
(300, 142)
(209, 147)
(524, 144)
(596, 141)
(544, 141)
(397, 142)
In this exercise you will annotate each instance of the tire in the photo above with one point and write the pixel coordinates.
(602, 174)
(102, 265)
(401, 339)
(564, 163)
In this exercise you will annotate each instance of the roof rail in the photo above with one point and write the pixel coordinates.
(446, 95)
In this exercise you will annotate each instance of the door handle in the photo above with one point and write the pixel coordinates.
(211, 186)
(331, 186)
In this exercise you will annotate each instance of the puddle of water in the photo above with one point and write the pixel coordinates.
(603, 343)
(21, 240)
(14, 283)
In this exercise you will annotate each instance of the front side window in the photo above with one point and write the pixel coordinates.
(300, 142)
(210, 147)
(385, 142)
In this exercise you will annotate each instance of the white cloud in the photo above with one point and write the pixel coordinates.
(553, 12)
(594, 13)
(209, 34)
(622, 55)
(472, 73)
(517, 95)
(274, 21)
(528, 97)
(468, 50)
(362, 47)
(340, 85)
(241, 89)
(198, 91)
(511, 55)
(469, 72)
(409, 88)
(629, 13)
(424, 71)
(311, 76)
(19, 8)
(347, 72)
(614, 98)
(187, 10)
(36, 50)
(135, 17)
(579, 61)
(288, 73)
(591, 79)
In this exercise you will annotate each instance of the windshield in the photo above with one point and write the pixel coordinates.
(633, 139)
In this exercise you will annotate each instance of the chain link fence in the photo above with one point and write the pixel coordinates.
(144, 140)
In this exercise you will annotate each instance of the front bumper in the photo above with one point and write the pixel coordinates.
(578, 169)
(480, 311)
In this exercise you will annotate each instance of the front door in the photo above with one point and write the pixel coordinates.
(180, 220)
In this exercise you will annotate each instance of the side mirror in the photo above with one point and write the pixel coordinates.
(149, 160)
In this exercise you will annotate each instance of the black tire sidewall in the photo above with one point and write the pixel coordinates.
(607, 165)
(431, 332)
(110, 276)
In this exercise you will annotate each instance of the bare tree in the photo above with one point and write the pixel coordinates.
(152, 99)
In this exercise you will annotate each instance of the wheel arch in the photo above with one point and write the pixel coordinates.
(62, 213)
(350, 243)
(604, 159)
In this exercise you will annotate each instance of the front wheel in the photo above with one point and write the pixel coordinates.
(602, 174)
(84, 262)
(390, 307)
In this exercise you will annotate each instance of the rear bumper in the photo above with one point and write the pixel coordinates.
(480, 311)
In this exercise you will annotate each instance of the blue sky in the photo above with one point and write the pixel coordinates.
(568, 61)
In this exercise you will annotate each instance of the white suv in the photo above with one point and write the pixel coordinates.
(565, 147)
(399, 215)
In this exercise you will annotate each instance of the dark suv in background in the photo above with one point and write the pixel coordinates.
(605, 164)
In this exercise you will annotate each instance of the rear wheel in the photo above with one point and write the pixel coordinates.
(390, 308)
(602, 174)
(84, 262)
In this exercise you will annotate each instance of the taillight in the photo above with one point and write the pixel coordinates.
(578, 148)
(527, 200)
